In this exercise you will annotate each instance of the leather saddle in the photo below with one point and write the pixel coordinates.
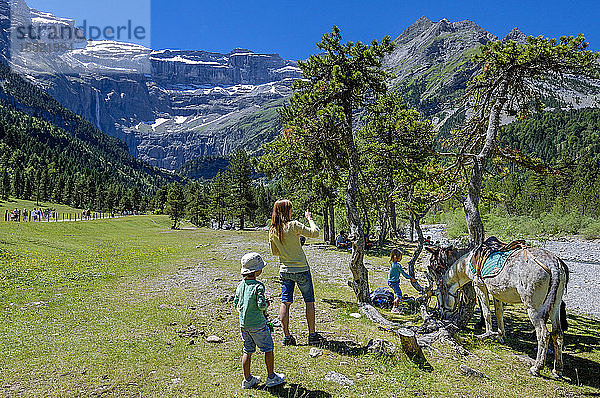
(489, 246)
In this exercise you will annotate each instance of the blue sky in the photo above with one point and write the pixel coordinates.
(291, 28)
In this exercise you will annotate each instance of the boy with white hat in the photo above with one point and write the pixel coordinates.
(251, 303)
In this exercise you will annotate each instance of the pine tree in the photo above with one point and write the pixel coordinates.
(197, 204)
(159, 200)
(509, 83)
(136, 199)
(17, 184)
(220, 198)
(4, 184)
(240, 172)
(342, 78)
(175, 205)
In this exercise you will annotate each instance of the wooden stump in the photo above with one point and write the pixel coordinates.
(410, 346)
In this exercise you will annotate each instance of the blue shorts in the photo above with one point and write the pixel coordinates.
(396, 288)
(304, 281)
(260, 336)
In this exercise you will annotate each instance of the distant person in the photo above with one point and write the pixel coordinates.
(394, 278)
(368, 243)
(342, 242)
(251, 303)
(284, 237)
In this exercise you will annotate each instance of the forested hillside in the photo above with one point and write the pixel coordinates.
(49, 153)
(568, 141)
(205, 167)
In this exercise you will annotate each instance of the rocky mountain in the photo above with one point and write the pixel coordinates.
(191, 104)
(172, 106)
(168, 106)
(432, 65)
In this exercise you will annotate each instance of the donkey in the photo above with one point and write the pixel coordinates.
(532, 276)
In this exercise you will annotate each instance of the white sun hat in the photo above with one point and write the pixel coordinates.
(252, 262)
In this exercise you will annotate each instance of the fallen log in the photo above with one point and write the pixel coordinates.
(373, 315)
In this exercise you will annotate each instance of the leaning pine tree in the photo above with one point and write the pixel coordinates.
(510, 82)
(338, 81)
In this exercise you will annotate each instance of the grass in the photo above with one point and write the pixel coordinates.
(95, 308)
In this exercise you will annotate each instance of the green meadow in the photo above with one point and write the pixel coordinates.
(123, 307)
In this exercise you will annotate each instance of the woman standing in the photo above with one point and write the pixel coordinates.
(284, 236)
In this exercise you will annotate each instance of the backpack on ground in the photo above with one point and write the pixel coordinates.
(382, 298)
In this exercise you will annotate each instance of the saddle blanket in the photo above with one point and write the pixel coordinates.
(493, 264)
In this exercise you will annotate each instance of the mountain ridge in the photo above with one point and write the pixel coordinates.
(176, 105)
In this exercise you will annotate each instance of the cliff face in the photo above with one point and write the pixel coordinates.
(191, 104)
(203, 68)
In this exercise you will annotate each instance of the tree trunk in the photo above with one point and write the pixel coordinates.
(360, 276)
(393, 224)
(383, 225)
(471, 201)
(326, 237)
(413, 261)
(242, 221)
(471, 206)
(332, 235)
(412, 227)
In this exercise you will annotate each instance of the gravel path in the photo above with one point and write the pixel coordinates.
(330, 265)
(583, 259)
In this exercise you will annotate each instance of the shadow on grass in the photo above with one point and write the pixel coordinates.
(344, 347)
(292, 390)
(580, 338)
(335, 303)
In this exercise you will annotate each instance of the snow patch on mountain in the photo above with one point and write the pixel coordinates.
(158, 122)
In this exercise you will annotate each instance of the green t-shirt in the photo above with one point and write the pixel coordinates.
(250, 302)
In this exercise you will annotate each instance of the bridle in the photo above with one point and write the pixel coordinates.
(439, 269)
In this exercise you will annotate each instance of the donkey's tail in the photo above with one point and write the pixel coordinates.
(564, 265)
(550, 301)
(564, 325)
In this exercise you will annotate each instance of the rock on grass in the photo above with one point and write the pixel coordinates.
(214, 339)
(339, 378)
(315, 352)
